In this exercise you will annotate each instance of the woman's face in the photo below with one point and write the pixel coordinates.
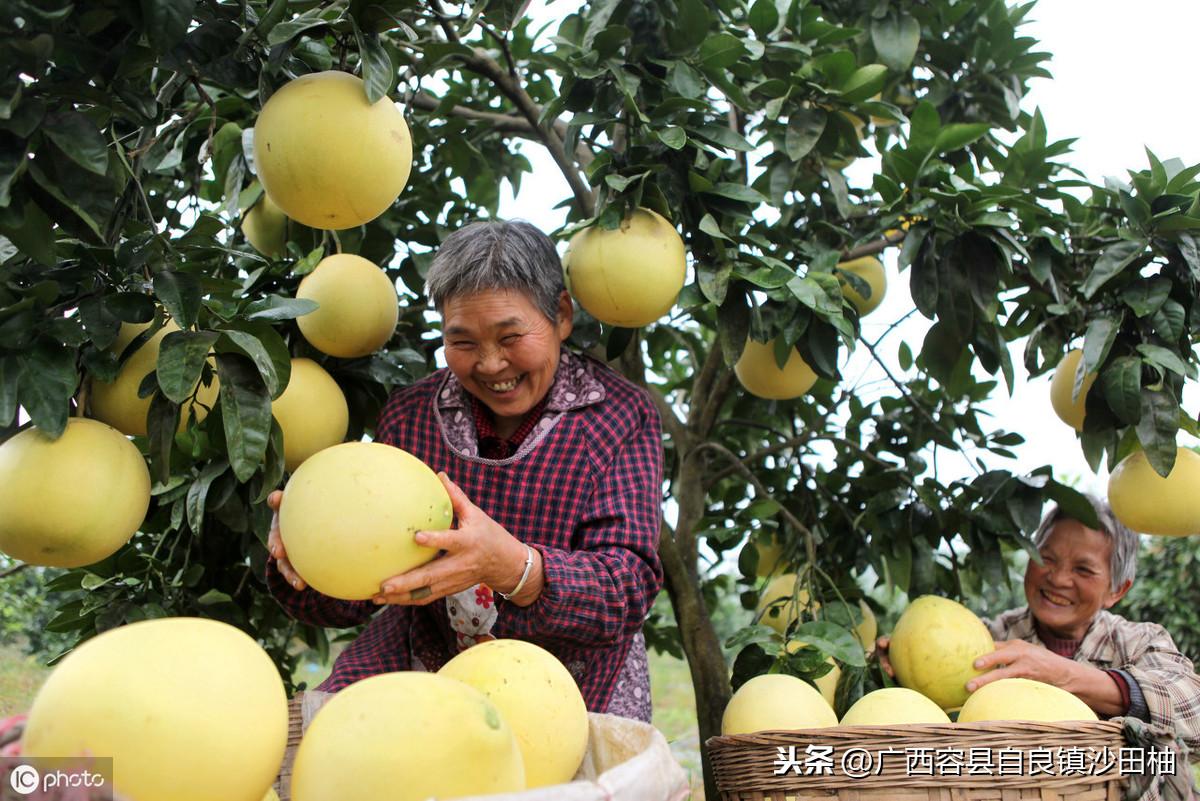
(503, 348)
(1074, 581)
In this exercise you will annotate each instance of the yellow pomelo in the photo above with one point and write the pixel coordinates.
(759, 373)
(189, 709)
(538, 698)
(827, 684)
(869, 269)
(118, 403)
(770, 555)
(934, 646)
(776, 701)
(629, 276)
(777, 605)
(358, 307)
(1070, 411)
(1023, 699)
(312, 412)
(72, 501)
(327, 156)
(1146, 502)
(265, 228)
(407, 736)
(271, 795)
(893, 705)
(349, 513)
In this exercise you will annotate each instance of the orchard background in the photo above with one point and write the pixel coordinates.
(126, 164)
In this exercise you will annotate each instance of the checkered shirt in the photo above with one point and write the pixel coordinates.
(1144, 651)
(584, 488)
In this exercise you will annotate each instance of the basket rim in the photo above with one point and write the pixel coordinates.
(1104, 728)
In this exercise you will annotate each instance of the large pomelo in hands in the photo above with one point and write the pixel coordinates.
(312, 413)
(1146, 502)
(357, 306)
(117, 403)
(327, 156)
(538, 698)
(760, 374)
(72, 501)
(188, 709)
(407, 736)
(1071, 410)
(629, 276)
(934, 647)
(776, 701)
(349, 513)
(1023, 699)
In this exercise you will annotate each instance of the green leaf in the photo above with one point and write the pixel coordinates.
(673, 137)
(9, 378)
(763, 18)
(1074, 503)
(1157, 429)
(733, 324)
(181, 358)
(310, 19)
(46, 384)
(267, 362)
(1146, 297)
(275, 307)
(818, 291)
(1121, 383)
(197, 495)
(864, 82)
(1112, 261)
(1164, 358)
(274, 467)
(1098, 341)
(33, 235)
(689, 28)
(959, 135)
(180, 294)
(736, 191)
(723, 136)
(162, 421)
(378, 73)
(721, 51)
(833, 639)
(1169, 321)
(896, 38)
(165, 22)
(714, 282)
(804, 129)
(708, 225)
(245, 412)
(79, 138)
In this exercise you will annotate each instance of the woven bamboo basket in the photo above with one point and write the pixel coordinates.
(994, 761)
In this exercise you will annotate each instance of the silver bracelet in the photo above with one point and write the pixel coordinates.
(524, 575)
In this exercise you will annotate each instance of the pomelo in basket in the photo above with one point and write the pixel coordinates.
(776, 701)
(934, 646)
(1023, 699)
(72, 501)
(538, 697)
(357, 306)
(311, 411)
(893, 705)
(326, 155)
(349, 513)
(407, 736)
(189, 710)
(628, 276)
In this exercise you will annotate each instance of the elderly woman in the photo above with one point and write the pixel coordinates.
(1066, 636)
(553, 463)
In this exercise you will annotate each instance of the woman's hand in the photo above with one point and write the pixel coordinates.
(275, 544)
(478, 551)
(1024, 660)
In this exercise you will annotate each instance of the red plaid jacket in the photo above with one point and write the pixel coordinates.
(584, 488)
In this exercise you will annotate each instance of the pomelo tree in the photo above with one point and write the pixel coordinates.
(126, 163)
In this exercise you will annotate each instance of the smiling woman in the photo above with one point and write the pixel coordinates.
(553, 463)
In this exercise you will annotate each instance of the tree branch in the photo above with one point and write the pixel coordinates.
(12, 571)
(893, 237)
(748, 474)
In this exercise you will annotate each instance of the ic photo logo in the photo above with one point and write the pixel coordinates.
(25, 779)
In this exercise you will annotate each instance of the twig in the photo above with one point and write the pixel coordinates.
(894, 237)
(12, 571)
(759, 487)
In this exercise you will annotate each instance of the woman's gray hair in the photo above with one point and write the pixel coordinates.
(494, 254)
(1123, 561)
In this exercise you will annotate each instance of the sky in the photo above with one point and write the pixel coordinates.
(1123, 81)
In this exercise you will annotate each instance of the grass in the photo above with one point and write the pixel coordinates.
(675, 715)
(20, 677)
